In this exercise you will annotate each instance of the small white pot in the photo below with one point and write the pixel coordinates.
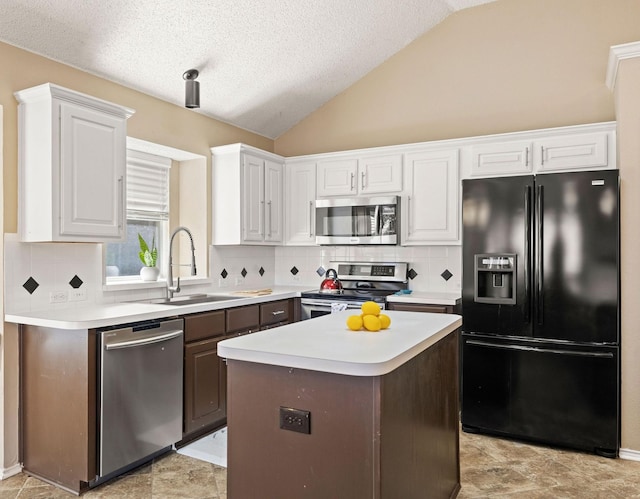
(149, 273)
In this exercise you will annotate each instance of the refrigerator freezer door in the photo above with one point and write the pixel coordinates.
(576, 263)
(556, 394)
(497, 226)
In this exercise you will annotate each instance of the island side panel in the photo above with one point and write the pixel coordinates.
(419, 425)
(58, 396)
(339, 458)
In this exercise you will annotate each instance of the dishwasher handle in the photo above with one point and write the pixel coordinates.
(144, 341)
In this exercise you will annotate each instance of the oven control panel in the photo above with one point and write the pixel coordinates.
(372, 271)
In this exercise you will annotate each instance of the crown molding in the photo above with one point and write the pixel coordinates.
(618, 53)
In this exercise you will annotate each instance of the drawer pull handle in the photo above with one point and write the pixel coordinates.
(278, 312)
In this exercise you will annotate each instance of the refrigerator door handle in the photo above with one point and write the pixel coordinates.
(527, 254)
(523, 348)
(539, 259)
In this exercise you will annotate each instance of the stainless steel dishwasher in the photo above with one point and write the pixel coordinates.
(140, 393)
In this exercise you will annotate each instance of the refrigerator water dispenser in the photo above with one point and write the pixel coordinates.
(495, 278)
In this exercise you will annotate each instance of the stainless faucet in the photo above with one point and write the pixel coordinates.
(171, 289)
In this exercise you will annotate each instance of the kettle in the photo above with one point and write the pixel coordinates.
(331, 283)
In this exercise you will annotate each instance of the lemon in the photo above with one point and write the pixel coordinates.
(385, 321)
(372, 323)
(354, 322)
(370, 308)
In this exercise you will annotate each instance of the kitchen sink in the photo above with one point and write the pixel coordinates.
(191, 299)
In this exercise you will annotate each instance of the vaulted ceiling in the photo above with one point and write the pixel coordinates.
(264, 64)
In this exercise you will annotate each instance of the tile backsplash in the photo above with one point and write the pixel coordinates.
(33, 271)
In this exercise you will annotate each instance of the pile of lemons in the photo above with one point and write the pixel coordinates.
(371, 318)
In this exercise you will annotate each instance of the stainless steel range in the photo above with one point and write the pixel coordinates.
(361, 281)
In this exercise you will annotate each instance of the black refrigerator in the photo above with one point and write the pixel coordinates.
(540, 303)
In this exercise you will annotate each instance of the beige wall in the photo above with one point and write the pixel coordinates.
(155, 120)
(627, 98)
(505, 66)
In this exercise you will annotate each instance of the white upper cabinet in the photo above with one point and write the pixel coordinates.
(72, 165)
(553, 150)
(359, 175)
(502, 158)
(247, 199)
(430, 212)
(300, 195)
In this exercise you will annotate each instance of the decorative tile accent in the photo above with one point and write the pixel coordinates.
(224, 273)
(446, 275)
(31, 285)
(261, 271)
(294, 270)
(412, 274)
(320, 271)
(76, 282)
(244, 272)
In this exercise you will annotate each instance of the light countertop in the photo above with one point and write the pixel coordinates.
(426, 298)
(111, 314)
(326, 344)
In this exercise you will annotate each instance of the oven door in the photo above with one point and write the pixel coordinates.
(312, 308)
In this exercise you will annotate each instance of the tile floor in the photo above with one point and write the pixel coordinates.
(490, 468)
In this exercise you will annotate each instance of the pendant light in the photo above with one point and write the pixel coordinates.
(192, 89)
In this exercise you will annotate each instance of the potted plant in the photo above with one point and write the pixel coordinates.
(149, 258)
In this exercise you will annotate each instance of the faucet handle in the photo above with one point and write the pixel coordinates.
(178, 286)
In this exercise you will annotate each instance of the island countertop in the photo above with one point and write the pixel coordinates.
(326, 344)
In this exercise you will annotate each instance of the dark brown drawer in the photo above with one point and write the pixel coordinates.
(243, 318)
(206, 325)
(416, 307)
(276, 311)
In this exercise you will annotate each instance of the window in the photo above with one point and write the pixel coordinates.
(147, 214)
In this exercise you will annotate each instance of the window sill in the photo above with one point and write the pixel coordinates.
(136, 283)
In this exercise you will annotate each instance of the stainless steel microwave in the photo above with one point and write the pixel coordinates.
(373, 220)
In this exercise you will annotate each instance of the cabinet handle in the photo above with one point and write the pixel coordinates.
(270, 215)
(408, 215)
(526, 161)
(352, 179)
(310, 218)
(277, 312)
(541, 155)
(120, 202)
(362, 180)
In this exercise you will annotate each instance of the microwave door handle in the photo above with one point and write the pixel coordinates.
(377, 222)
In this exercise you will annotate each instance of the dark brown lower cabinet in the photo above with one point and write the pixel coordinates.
(419, 307)
(58, 407)
(205, 396)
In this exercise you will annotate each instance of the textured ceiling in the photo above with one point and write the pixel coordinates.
(264, 64)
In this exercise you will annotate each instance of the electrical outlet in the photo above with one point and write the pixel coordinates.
(222, 283)
(57, 296)
(78, 294)
(239, 280)
(295, 420)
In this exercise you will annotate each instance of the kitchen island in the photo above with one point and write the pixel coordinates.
(317, 411)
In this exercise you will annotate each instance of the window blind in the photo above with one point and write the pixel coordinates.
(147, 186)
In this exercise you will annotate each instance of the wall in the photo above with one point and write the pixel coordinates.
(506, 66)
(627, 94)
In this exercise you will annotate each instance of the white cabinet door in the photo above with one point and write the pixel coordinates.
(72, 166)
(246, 196)
(300, 193)
(92, 173)
(253, 197)
(273, 213)
(431, 211)
(378, 174)
(501, 158)
(337, 177)
(588, 150)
